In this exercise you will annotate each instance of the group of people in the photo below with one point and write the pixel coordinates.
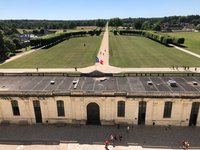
(112, 140)
(184, 67)
(185, 145)
(115, 137)
(102, 52)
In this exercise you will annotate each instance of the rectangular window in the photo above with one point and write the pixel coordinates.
(167, 110)
(15, 108)
(121, 109)
(60, 108)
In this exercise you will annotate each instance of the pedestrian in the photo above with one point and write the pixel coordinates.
(75, 68)
(111, 138)
(37, 69)
(106, 144)
(127, 129)
(115, 137)
(195, 68)
(118, 126)
(120, 137)
(187, 145)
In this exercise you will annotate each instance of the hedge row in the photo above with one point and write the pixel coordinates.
(163, 38)
(53, 38)
(97, 31)
(159, 37)
(130, 32)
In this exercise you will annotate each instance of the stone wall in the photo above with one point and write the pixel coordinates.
(76, 110)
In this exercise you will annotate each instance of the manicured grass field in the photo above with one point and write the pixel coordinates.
(192, 40)
(70, 53)
(136, 51)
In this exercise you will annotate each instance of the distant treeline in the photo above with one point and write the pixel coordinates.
(49, 24)
(173, 22)
(10, 26)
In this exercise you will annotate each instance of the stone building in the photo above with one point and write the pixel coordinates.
(106, 100)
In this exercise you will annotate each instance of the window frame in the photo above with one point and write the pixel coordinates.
(60, 108)
(15, 108)
(121, 109)
(168, 109)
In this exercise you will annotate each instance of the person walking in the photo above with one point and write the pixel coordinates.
(127, 129)
(106, 144)
(185, 145)
(111, 138)
(120, 138)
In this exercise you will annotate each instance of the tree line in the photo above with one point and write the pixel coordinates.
(50, 24)
(157, 23)
(8, 46)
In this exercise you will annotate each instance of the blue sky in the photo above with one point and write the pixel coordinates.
(94, 9)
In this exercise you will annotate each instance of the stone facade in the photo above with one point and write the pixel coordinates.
(75, 108)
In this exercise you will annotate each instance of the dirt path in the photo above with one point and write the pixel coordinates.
(104, 48)
(20, 55)
(184, 50)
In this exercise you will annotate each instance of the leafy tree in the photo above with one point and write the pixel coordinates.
(100, 23)
(157, 27)
(2, 47)
(1, 40)
(138, 25)
(198, 27)
(35, 31)
(41, 31)
(24, 32)
(115, 22)
(146, 25)
(10, 45)
(72, 25)
(17, 43)
(182, 19)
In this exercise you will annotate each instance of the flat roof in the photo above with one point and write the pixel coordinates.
(62, 84)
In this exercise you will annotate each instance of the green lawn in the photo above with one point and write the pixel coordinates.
(192, 40)
(70, 53)
(136, 51)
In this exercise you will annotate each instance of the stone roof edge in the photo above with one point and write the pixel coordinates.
(192, 95)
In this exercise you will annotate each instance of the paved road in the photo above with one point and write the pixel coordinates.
(69, 137)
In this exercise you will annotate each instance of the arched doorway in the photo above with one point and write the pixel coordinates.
(93, 116)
